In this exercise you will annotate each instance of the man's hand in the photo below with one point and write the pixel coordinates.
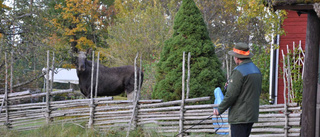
(216, 112)
(226, 85)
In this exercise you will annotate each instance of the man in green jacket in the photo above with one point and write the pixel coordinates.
(243, 92)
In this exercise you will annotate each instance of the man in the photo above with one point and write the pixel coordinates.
(243, 92)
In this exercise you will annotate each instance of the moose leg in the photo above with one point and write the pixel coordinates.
(129, 88)
(130, 96)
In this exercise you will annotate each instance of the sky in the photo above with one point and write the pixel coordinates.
(8, 2)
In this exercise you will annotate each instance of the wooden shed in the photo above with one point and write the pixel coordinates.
(295, 27)
(311, 94)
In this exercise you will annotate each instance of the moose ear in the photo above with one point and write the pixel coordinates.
(89, 51)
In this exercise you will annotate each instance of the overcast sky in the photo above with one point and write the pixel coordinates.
(8, 3)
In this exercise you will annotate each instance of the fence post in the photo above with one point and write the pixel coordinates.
(136, 97)
(286, 98)
(182, 99)
(318, 112)
(48, 111)
(188, 79)
(11, 72)
(97, 76)
(286, 127)
(92, 105)
(286, 113)
(138, 94)
(137, 89)
(140, 78)
(8, 125)
(52, 76)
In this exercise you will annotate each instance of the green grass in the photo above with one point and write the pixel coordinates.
(72, 130)
(80, 130)
(33, 123)
(119, 98)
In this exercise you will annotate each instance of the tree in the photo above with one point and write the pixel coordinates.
(82, 23)
(3, 8)
(27, 31)
(190, 35)
(247, 21)
(262, 59)
(140, 27)
(23, 34)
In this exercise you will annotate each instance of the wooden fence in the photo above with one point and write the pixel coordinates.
(152, 114)
(181, 116)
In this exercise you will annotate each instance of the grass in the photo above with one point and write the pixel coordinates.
(72, 130)
(33, 123)
(80, 130)
(119, 98)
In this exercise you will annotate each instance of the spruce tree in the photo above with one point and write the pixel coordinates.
(190, 35)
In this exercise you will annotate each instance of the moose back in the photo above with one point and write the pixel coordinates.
(112, 81)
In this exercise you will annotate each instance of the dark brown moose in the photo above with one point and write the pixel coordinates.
(112, 81)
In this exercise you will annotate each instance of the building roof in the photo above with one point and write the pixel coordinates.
(292, 2)
(301, 6)
(62, 75)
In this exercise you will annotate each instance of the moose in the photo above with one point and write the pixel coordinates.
(111, 81)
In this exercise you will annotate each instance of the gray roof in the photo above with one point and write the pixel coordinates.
(292, 2)
(301, 6)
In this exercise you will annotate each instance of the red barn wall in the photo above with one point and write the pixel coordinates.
(295, 27)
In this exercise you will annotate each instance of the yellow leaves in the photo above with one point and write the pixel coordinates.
(68, 66)
(155, 3)
(126, 8)
(79, 11)
(230, 6)
(105, 55)
(78, 20)
(0, 35)
(78, 28)
(217, 44)
(2, 6)
(58, 6)
(83, 43)
(54, 39)
(120, 9)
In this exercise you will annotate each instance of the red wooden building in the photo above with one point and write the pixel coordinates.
(310, 122)
(295, 26)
